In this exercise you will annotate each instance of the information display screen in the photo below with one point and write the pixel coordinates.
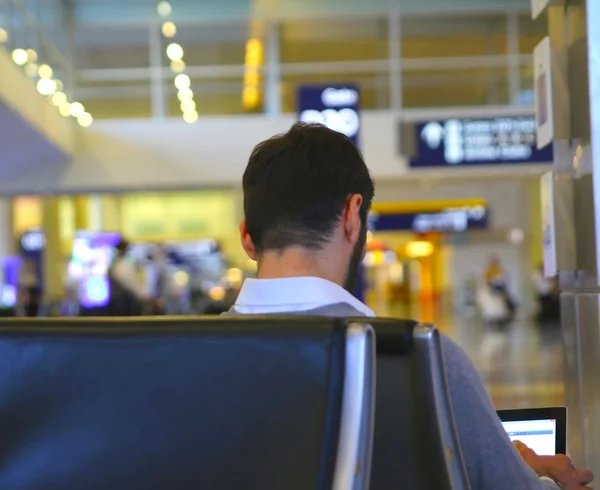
(491, 141)
(335, 106)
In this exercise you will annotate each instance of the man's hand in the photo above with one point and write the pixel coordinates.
(558, 467)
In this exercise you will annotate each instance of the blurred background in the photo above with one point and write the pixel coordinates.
(126, 126)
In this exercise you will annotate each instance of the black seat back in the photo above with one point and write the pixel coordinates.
(416, 446)
(160, 404)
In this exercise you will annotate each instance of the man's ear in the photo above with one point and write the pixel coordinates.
(247, 242)
(352, 221)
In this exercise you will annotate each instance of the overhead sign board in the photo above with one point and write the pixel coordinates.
(484, 141)
(450, 220)
(335, 106)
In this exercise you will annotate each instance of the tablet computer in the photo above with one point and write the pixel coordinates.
(542, 429)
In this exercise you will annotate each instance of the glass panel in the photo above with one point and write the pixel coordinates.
(111, 47)
(116, 99)
(374, 88)
(220, 44)
(213, 96)
(456, 36)
(334, 40)
(531, 32)
(464, 87)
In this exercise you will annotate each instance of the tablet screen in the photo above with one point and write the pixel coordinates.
(542, 429)
(539, 435)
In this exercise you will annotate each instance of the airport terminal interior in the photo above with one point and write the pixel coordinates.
(126, 126)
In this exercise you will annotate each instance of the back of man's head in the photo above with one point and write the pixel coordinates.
(297, 185)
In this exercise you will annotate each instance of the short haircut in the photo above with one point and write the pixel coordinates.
(296, 186)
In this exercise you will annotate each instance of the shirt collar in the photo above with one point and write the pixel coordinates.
(295, 292)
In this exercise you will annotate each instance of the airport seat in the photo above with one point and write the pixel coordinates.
(416, 445)
(176, 404)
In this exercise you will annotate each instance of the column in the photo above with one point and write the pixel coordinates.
(273, 71)
(512, 48)
(81, 211)
(157, 82)
(53, 259)
(395, 57)
(7, 236)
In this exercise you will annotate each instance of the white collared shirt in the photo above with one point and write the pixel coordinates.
(263, 296)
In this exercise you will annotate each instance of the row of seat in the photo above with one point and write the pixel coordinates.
(267, 403)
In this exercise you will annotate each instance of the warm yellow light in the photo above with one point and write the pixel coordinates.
(85, 120)
(419, 249)
(31, 70)
(59, 98)
(46, 86)
(77, 109)
(65, 109)
(369, 236)
(177, 66)
(235, 277)
(190, 117)
(3, 36)
(217, 293)
(169, 29)
(45, 71)
(181, 278)
(250, 97)
(188, 105)
(254, 52)
(19, 56)
(32, 55)
(174, 51)
(182, 81)
(164, 9)
(251, 76)
(185, 94)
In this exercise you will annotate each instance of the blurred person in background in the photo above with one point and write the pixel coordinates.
(307, 194)
(158, 280)
(30, 290)
(547, 294)
(128, 294)
(496, 280)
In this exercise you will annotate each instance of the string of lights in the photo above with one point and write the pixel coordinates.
(175, 54)
(46, 83)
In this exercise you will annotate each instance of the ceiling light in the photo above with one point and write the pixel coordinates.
(185, 94)
(31, 70)
(177, 66)
(19, 56)
(85, 120)
(164, 9)
(169, 29)
(3, 36)
(45, 71)
(174, 51)
(188, 105)
(182, 81)
(190, 117)
(46, 86)
(77, 109)
(65, 109)
(59, 98)
(32, 55)
(59, 85)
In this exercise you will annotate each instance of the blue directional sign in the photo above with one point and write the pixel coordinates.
(489, 141)
(335, 106)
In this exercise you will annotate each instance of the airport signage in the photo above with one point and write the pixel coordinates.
(484, 141)
(335, 106)
(450, 220)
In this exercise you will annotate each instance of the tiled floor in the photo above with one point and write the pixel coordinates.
(522, 364)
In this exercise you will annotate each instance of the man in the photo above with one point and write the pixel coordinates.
(307, 194)
(127, 293)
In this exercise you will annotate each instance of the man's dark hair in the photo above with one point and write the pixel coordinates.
(296, 186)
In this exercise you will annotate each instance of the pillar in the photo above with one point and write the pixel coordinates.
(81, 208)
(575, 42)
(7, 237)
(53, 259)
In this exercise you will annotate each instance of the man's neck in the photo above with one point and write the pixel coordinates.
(296, 262)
